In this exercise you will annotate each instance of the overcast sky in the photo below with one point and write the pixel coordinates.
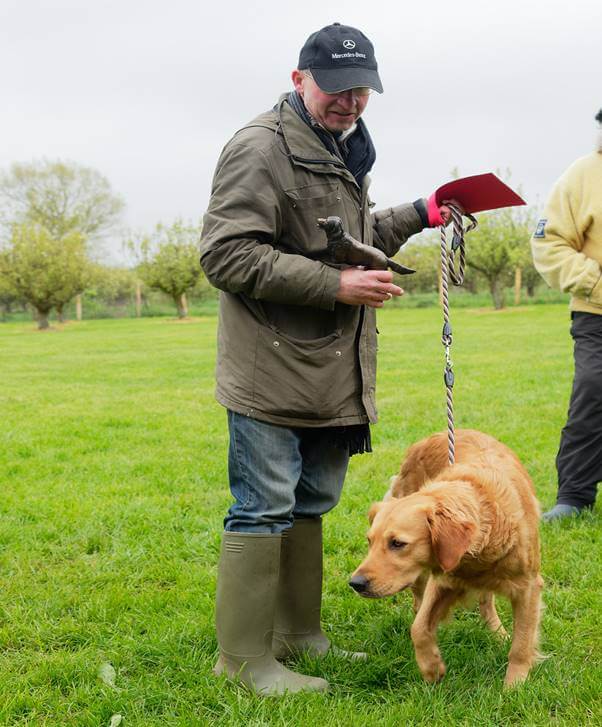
(149, 92)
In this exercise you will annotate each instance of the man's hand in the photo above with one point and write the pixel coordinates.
(367, 287)
(445, 211)
(440, 215)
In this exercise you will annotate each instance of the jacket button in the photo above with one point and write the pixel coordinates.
(276, 344)
(338, 353)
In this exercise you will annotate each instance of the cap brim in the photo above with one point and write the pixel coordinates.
(335, 80)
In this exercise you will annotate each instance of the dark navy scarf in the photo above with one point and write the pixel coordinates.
(357, 150)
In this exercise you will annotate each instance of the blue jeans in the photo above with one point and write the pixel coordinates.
(279, 473)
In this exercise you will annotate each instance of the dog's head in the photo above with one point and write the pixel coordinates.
(332, 226)
(407, 537)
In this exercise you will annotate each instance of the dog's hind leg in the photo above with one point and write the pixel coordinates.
(490, 616)
(526, 608)
(436, 602)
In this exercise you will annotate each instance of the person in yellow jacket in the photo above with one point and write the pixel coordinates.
(567, 252)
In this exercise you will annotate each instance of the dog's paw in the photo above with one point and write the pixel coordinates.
(516, 674)
(433, 671)
(502, 634)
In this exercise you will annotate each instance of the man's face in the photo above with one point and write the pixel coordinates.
(334, 111)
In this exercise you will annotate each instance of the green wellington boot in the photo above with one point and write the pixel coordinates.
(297, 626)
(245, 602)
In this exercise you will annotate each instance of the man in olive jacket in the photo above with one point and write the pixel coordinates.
(296, 364)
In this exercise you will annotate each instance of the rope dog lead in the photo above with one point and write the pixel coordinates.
(449, 271)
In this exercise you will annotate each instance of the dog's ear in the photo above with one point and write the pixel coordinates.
(451, 537)
(374, 508)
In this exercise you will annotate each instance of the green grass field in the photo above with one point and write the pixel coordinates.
(113, 488)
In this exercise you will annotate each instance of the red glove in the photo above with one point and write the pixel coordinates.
(434, 212)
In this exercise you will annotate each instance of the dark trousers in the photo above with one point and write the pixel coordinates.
(579, 459)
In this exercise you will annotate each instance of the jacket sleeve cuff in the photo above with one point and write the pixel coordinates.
(595, 296)
(420, 207)
(332, 283)
(434, 211)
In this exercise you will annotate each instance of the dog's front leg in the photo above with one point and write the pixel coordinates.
(436, 602)
(418, 590)
(526, 607)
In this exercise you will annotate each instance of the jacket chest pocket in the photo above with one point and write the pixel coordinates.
(305, 206)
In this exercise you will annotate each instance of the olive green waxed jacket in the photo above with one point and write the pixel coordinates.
(288, 352)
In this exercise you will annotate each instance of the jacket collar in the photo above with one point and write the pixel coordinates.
(304, 147)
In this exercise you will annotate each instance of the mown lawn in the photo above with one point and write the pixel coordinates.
(112, 491)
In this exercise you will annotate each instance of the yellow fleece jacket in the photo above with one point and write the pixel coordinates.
(567, 244)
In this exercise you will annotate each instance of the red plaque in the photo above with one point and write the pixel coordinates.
(479, 192)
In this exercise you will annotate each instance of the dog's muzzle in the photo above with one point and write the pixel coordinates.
(359, 583)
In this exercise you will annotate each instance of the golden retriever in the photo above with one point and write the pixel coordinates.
(450, 530)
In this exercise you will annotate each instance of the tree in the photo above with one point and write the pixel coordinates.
(75, 274)
(203, 290)
(170, 261)
(112, 285)
(115, 287)
(422, 255)
(46, 271)
(9, 295)
(499, 245)
(531, 278)
(62, 197)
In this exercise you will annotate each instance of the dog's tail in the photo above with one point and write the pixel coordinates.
(393, 488)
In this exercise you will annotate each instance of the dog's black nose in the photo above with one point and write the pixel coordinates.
(359, 583)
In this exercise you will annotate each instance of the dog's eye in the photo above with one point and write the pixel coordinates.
(396, 544)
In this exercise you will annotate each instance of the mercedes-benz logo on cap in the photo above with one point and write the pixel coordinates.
(349, 44)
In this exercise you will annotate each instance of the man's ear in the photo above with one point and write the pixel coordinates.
(451, 537)
(374, 508)
(297, 78)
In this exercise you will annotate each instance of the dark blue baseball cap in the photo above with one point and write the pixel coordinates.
(340, 57)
